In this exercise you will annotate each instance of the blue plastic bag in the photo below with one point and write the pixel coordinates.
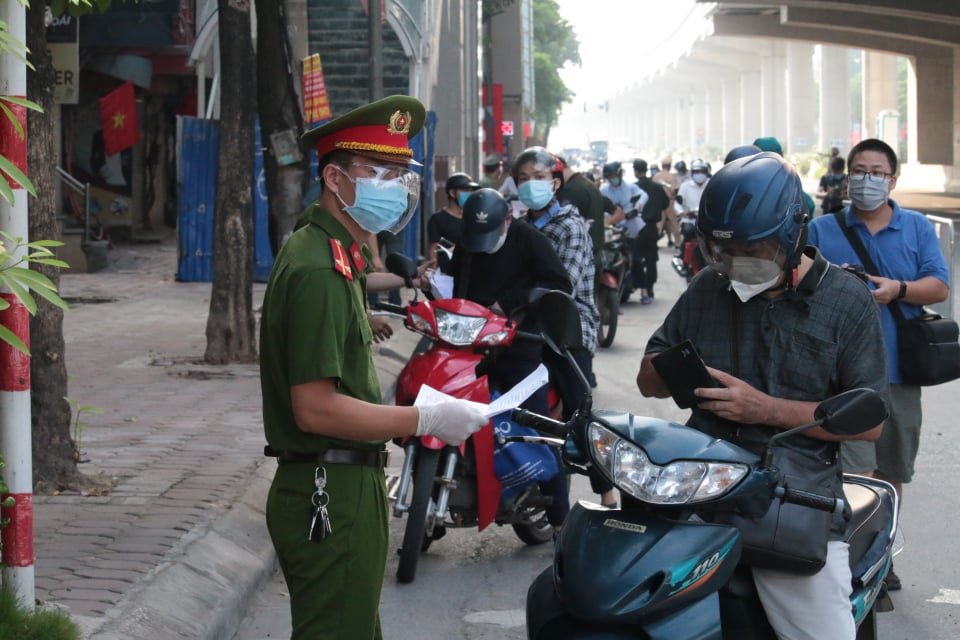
(519, 464)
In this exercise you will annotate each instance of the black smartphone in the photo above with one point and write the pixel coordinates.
(682, 371)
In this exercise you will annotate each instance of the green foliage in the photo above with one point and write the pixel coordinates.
(21, 280)
(555, 44)
(79, 426)
(17, 622)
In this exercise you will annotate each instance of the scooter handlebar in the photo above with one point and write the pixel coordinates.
(542, 424)
(812, 500)
(397, 309)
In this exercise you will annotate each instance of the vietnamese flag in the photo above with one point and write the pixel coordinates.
(118, 116)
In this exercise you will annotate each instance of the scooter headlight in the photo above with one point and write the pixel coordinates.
(679, 482)
(456, 329)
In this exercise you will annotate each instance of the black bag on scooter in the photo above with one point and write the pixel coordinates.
(790, 537)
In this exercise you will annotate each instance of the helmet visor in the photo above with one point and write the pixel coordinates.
(719, 254)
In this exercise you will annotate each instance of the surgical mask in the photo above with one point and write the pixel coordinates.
(496, 247)
(379, 205)
(654, 172)
(536, 194)
(699, 178)
(749, 277)
(462, 198)
(614, 182)
(867, 194)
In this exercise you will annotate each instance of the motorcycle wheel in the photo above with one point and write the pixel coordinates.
(423, 480)
(609, 309)
(534, 529)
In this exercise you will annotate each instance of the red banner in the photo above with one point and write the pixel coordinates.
(316, 105)
(118, 116)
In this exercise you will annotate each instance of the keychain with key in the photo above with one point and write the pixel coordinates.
(320, 522)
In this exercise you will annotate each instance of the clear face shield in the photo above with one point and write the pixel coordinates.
(386, 196)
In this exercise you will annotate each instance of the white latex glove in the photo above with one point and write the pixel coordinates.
(453, 421)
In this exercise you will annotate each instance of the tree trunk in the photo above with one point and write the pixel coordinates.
(279, 110)
(230, 324)
(54, 462)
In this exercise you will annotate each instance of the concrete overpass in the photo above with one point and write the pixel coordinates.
(733, 71)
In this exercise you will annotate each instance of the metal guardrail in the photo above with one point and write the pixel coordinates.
(948, 242)
(82, 188)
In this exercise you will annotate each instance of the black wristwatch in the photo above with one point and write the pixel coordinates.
(903, 290)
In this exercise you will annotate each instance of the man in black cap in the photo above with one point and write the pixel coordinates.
(500, 263)
(645, 253)
(327, 506)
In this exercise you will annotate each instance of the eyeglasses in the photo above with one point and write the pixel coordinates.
(876, 174)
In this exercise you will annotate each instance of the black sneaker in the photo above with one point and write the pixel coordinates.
(892, 581)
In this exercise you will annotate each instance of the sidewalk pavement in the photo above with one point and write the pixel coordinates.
(178, 546)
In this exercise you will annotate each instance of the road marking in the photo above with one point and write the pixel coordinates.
(507, 619)
(947, 596)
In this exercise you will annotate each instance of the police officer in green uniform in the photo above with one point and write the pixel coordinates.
(327, 507)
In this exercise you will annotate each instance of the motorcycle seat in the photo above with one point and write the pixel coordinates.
(867, 520)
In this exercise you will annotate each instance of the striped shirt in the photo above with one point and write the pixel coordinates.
(567, 231)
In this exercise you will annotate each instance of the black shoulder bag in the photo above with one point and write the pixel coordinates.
(927, 345)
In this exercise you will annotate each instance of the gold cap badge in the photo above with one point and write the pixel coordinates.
(399, 122)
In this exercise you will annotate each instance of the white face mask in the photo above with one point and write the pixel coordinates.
(746, 291)
(749, 277)
(699, 178)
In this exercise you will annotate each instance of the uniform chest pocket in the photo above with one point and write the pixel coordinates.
(807, 365)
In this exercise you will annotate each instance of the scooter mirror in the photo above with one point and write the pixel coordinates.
(400, 265)
(559, 321)
(851, 412)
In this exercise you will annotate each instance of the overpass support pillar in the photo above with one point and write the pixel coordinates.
(731, 136)
(773, 74)
(931, 86)
(751, 126)
(714, 129)
(800, 104)
(834, 99)
(879, 91)
(698, 121)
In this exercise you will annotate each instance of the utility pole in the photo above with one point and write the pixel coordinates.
(375, 8)
(15, 444)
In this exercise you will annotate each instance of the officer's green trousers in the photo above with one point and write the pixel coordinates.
(335, 583)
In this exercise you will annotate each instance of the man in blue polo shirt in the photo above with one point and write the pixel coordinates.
(904, 247)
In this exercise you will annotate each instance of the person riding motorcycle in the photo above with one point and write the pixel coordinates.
(779, 329)
(500, 262)
(627, 195)
(688, 199)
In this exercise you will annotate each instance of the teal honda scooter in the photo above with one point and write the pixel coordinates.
(657, 568)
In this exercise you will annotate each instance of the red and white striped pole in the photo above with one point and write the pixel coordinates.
(15, 445)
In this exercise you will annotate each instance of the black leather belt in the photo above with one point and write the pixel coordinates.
(365, 457)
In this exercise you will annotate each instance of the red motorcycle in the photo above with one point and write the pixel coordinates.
(442, 486)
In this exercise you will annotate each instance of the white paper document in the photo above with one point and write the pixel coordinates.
(441, 285)
(510, 400)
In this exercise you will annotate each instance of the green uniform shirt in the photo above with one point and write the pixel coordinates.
(314, 325)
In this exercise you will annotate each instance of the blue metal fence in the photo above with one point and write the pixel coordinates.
(199, 146)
